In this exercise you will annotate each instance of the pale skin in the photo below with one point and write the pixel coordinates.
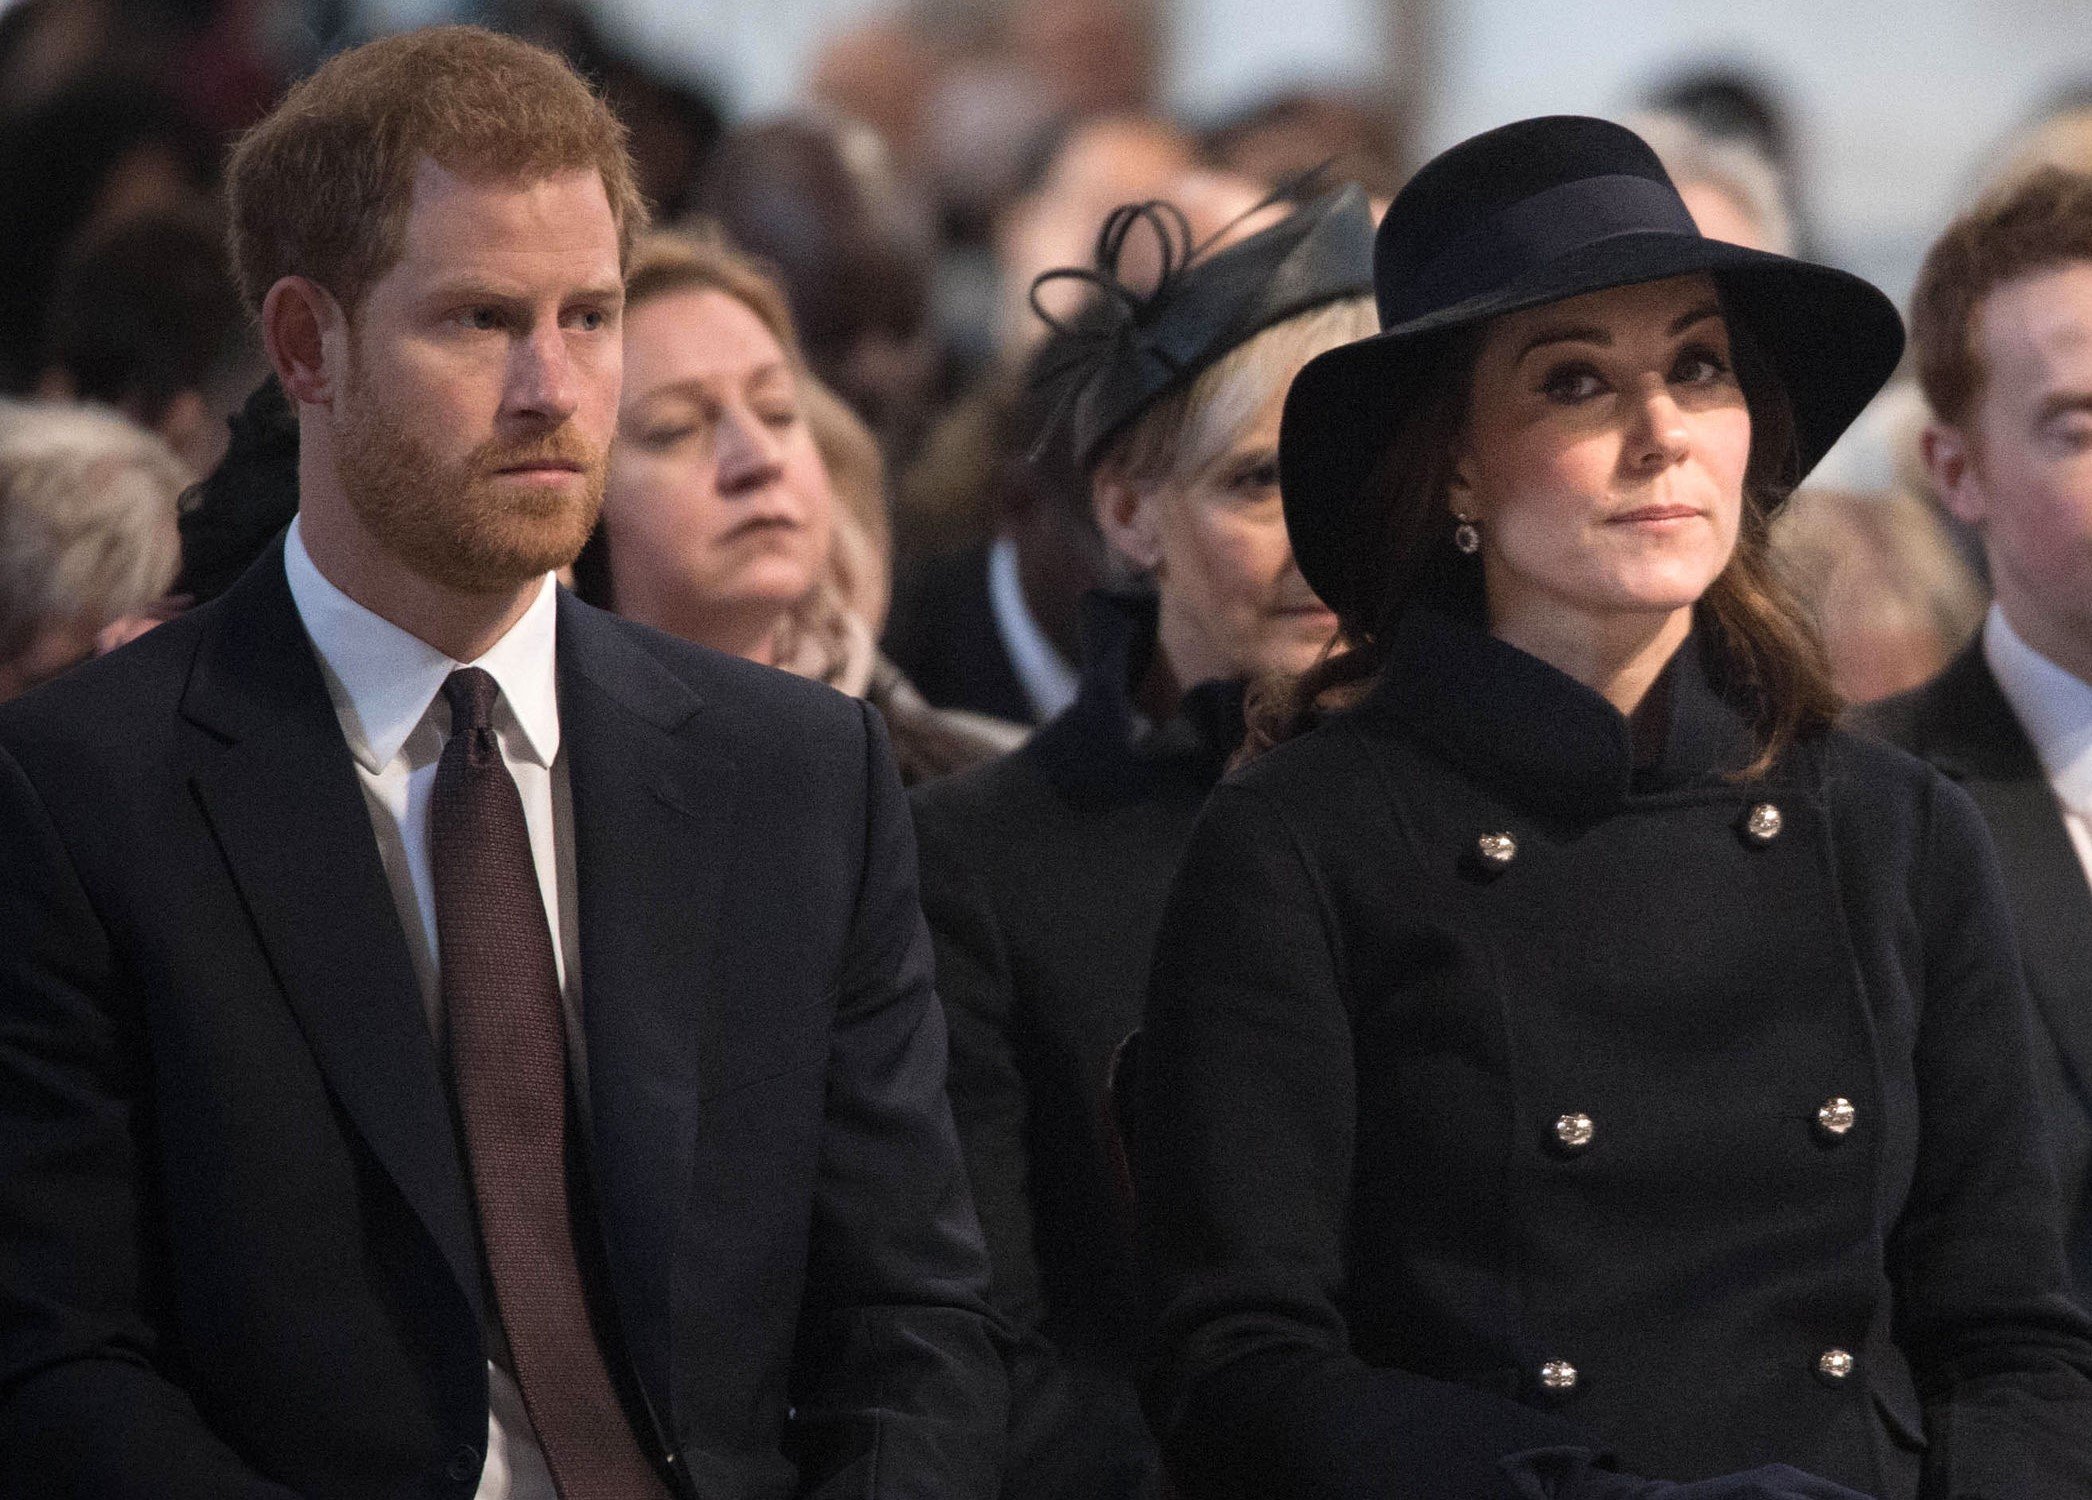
(1603, 463)
(1232, 602)
(2019, 468)
(498, 323)
(719, 510)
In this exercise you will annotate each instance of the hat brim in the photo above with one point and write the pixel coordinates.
(1832, 340)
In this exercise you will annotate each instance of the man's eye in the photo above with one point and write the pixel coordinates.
(480, 319)
(591, 320)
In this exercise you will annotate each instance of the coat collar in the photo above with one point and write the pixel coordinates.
(1103, 744)
(1535, 735)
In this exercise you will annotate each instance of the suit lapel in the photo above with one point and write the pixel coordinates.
(1971, 733)
(653, 782)
(281, 797)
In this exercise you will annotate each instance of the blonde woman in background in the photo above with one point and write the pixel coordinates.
(745, 506)
(87, 536)
(1890, 595)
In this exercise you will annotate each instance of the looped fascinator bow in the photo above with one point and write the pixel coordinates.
(1126, 347)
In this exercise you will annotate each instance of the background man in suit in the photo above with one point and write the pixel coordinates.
(453, 1042)
(2001, 324)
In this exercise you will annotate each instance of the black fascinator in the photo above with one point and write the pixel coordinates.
(1126, 348)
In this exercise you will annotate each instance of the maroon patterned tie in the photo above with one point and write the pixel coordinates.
(508, 1058)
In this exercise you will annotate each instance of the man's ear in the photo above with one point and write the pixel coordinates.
(302, 327)
(1951, 463)
(1126, 515)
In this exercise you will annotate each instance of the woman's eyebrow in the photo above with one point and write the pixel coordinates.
(1603, 339)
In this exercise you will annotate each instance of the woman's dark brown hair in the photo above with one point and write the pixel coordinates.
(1769, 654)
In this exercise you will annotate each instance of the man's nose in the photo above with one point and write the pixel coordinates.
(541, 377)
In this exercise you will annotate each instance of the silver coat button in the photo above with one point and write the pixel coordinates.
(1835, 1364)
(1558, 1375)
(1763, 823)
(1835, 1117)
(1497, 849)
(1573, 1132)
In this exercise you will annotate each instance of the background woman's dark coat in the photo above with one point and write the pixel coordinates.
(1043, 879)
(1365, 1236)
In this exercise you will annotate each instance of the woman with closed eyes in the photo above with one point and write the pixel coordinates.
(1572, 1067)
(745, 505)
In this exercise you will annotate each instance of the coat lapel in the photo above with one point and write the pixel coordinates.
(1971, 733)
(653, 781)
(281, 798)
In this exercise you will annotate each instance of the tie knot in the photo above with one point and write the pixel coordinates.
(471, 693)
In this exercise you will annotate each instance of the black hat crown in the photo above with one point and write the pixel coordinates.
(1494, 208)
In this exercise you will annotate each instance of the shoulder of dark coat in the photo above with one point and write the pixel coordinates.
(995, 801)
(768, 705)
(114, 704)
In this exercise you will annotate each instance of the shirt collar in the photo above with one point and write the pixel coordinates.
(1048, 681)
(2054, 706)
(382, 679)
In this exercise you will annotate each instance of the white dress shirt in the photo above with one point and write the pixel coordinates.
(1048, 681)
(387, 692)
(2055, 709)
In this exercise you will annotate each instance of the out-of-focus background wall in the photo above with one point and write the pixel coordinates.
(1896, 106)
(909, 166)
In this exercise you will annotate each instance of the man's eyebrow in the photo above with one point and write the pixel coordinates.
(612, 292)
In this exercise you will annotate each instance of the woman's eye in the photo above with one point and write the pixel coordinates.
(667, 435)
(1571, 383)
(778, 417)
(1254, 478)
(1700, 367)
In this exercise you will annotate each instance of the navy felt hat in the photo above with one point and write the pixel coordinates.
(1528, 214)
(1126, 348)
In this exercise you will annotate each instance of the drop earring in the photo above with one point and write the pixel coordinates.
(1466, 536)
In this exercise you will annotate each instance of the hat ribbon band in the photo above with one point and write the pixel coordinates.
(1535, 230)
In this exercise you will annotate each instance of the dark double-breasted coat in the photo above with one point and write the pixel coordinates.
(1500, 1096)
(1961, 723)
(1043, 878)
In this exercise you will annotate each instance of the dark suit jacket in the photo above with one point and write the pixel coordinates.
(238, 1254)
(1961, 723)
(1043, 875)
(1375, 1245)
(941, 633)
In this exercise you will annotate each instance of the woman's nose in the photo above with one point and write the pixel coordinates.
(1659, 437)
(750, 454)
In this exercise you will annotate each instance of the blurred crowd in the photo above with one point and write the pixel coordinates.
(943, 158)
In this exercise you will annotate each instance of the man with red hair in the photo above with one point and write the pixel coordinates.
(454, 1042)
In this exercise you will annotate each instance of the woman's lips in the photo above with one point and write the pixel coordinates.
(1652, 515)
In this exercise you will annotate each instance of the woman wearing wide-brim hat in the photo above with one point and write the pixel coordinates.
(1570, 1062)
